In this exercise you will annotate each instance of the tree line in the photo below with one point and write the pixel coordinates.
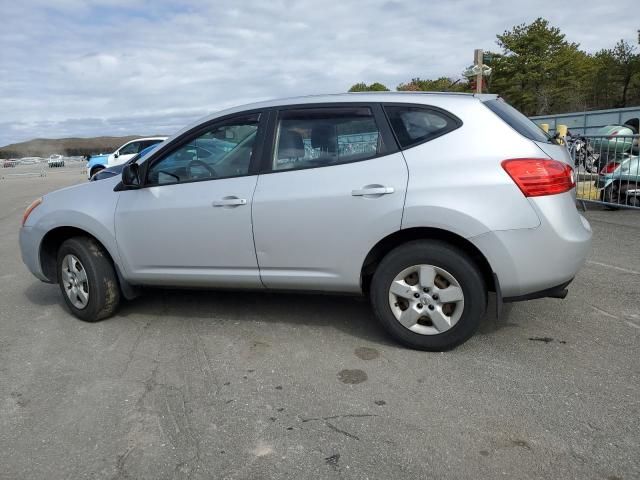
(540, 72)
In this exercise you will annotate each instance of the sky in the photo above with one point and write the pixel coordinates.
(121, 67)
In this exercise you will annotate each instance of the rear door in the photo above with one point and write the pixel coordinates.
(332, 185)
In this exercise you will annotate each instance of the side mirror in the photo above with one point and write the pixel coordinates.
(131, 175)
(116, 155)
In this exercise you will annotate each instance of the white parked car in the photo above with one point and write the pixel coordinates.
(121, 155)
(56, 161)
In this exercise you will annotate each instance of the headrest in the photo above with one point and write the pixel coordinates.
(324, 138)
(290, 145)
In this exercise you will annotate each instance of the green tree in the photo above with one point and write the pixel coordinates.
(625, 65)
(539, 71)
(442, 84)
(615, 77)
(363, 87)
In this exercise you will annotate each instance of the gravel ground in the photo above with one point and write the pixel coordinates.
(253, 385)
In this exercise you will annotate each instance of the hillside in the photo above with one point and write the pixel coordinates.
(43, 147)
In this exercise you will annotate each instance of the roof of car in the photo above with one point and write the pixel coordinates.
(352, 97)
(158, 137)
(400, 97)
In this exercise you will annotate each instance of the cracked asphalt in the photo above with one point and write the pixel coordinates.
(203, 385)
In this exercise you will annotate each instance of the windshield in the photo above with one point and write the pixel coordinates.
(518, 121)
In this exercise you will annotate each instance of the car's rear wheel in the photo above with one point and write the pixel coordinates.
(87, 279)
(610, 195)
(428, 295)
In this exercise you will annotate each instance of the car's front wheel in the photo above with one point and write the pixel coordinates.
(95, 170)
(428, 295)
(87, 279)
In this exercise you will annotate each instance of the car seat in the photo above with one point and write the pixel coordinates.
(290, 149)
(324, 139)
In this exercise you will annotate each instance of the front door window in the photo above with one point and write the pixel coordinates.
(221, 151)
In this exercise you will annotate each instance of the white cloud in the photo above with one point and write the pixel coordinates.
(106, 67)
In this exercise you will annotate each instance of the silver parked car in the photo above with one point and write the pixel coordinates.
(423, 202)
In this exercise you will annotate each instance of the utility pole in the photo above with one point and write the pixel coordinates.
(478, 60)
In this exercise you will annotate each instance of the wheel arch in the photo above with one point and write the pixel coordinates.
(96, 168)
(51, 243)
(384, 246)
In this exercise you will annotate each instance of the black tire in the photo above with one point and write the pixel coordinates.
(447, 257)
(103, 287)
(610, 195)
(95, 170)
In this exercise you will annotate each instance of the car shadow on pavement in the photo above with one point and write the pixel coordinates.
(491, 323)
(43, 294)
(350, 314)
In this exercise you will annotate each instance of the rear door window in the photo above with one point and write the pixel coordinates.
(316, 137)
(413, 125)
(517, 121)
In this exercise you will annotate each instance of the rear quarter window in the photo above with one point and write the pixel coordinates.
(413, 125)
(518, 121)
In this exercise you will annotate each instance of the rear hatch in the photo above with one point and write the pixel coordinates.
(525, 127)
(536, 177)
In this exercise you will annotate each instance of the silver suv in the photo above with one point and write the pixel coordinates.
(423, 202)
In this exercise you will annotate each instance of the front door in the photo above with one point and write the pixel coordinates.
(190, 224)
(334, 186)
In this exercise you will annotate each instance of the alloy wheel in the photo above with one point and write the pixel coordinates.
(426, 299)
(75, 281)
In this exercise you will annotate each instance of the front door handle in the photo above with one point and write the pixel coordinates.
(231, 201)
(372, 190)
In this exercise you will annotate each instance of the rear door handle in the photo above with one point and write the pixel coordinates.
(377, 190)
(229, 202)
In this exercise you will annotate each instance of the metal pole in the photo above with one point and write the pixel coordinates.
(478, 60)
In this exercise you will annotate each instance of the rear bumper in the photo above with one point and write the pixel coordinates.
(539, 262)
(559, 291)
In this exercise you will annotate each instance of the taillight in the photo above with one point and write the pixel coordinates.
(537, 176)
(609, 168)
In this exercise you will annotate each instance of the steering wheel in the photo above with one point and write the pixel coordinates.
(200, 163)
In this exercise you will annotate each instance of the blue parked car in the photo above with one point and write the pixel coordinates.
(96, 163)
(209, 150)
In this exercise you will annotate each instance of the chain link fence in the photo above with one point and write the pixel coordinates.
(607, 169)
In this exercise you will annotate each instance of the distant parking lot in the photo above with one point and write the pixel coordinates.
(184, 384)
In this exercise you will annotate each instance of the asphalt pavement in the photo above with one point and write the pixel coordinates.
(202, 385)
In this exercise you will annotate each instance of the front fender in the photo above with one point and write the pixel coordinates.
(81, 221)
(89, 207)
(99, 160)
